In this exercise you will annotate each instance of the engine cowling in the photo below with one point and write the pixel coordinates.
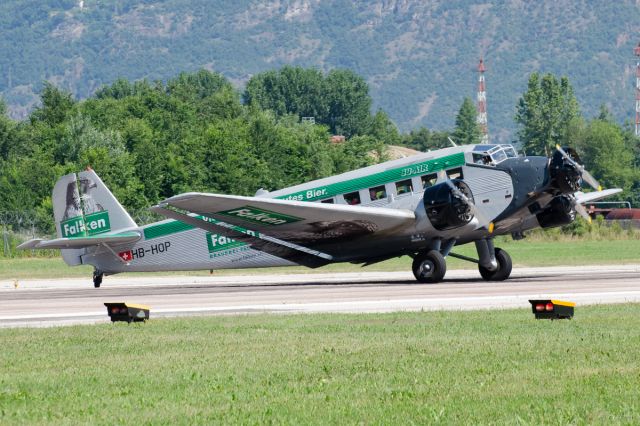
(444, 208)
(560, 211)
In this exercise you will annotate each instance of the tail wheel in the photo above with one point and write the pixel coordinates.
(429, 267)
(504, 267)
(97, 278)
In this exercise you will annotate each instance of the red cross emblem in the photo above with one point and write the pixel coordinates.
(125, 255)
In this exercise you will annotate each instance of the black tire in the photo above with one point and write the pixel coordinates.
(429, 267)
(504, 267)
(97, 278)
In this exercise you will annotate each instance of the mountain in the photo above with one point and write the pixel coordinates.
(419, 57)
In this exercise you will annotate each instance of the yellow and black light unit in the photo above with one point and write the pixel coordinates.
(552, 309)
(129, 312)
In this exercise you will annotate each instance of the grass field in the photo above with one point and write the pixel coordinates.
(500, 367)
(523, 253)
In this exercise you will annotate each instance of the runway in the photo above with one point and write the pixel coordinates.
(73, 301)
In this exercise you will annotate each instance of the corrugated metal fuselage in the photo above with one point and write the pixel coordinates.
(172, 245)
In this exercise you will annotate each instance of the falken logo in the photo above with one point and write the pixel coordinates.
(217, 243)
(260, 216)
(92, 224)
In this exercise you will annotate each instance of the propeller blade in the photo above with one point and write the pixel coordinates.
(581, 210)
(584, 174)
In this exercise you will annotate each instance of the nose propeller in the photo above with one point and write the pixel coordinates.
(585, 176)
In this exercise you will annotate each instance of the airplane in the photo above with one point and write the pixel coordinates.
(422, 206)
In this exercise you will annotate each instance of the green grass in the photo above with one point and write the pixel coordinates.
(523, 253)
(402, 368)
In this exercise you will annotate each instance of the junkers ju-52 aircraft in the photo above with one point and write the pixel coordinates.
(422, 206)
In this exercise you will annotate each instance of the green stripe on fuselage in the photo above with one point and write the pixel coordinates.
(331, 190)
(375, 179)
(162, 229)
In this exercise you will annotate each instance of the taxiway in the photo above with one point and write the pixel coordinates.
(72, 301)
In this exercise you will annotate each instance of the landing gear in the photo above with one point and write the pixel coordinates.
(503, 269)
(429, 267)
(97, 278)
(494, 263)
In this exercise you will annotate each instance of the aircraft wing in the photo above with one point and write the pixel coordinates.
(80, 242)
(332, 231)
(587, 197)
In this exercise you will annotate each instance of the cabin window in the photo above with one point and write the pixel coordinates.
(328, 201)
(455, 173)
(404, 187)
(377, 193)
(352, 198)
(429, 180)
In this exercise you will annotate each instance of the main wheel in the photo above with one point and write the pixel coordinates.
(97, 278)
(429, 267)
(504, 267)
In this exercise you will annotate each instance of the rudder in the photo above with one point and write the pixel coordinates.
(84, 206)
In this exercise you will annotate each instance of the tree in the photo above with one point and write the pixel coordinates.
(467, 131)
(56, 105)
(423, 139)
(547, 112)
(349, 103)
(191, 87)
(290, 90)
(340, 100)
(383, 129)
(7, 136)
(605, 154)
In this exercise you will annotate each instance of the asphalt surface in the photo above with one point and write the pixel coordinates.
(37, 303)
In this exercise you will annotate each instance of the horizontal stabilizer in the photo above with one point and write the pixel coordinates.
(81, 242)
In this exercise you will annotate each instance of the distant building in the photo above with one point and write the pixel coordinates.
(337, 139)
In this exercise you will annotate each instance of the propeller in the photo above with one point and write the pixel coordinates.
(482, 220)
(584, 174)
(579, 208)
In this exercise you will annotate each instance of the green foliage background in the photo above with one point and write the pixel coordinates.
(152, 140)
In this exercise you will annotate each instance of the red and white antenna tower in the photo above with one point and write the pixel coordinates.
(636, 51)
(482, 104)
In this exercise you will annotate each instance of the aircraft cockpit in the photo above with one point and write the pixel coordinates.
(490, 155)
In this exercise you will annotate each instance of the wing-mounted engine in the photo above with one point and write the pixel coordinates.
(448, 204)
(560, 211)
(567, 174)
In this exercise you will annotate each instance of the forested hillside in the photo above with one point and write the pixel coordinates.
(418, 57)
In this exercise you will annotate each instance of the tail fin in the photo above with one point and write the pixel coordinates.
(83, 206)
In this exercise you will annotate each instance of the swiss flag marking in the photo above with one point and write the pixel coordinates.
(125, 255)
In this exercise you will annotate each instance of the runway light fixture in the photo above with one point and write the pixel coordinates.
(552, 309)
(129, 312)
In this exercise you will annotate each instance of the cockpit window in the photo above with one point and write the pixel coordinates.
(510, 151)
(490, 155)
